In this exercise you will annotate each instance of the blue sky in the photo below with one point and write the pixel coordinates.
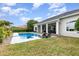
(20, 13)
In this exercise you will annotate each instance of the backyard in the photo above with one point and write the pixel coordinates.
(35, 33)
(54, 46)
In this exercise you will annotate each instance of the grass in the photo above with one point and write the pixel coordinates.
(56, 46)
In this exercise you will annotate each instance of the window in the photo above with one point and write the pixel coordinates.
(70, 26)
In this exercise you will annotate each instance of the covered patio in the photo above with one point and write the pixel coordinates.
(48, 27)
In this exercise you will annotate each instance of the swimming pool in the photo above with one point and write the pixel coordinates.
(28, 35)
(24, 37)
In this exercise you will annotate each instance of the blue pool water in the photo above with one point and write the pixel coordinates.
(28, 35)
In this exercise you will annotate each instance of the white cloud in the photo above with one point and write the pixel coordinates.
(60, 10)
(57, 12)
(3, 11)
(24, 19)
(10, 4)
(36, 5)
(38, 19)
(2, 15)
(18, 11)
(6, 9)
(56, 9)
(48, 14)
(55, 5)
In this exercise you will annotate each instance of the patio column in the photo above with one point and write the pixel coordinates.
(46, 28)
(41, 28)
(57, 27)
(34, 29)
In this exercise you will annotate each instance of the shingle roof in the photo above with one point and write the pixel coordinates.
(60, 15)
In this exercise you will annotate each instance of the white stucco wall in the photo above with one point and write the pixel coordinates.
(35, 26)
(63, 24)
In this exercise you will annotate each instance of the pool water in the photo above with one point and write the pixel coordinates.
(24, 37)
(28, 35)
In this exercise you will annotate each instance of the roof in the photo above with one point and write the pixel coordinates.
(60, 15)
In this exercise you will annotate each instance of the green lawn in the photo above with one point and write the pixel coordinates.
(44, 47)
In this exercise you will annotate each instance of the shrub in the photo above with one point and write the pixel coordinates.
(1, 34)
(7, 32)
(4, 33)
(77, 25)
(16, 29)
(4, 29)
(1, 39)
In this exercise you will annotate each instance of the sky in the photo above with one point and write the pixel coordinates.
(20, 13)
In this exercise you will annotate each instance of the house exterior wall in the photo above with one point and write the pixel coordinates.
(63, 24)
(35, 28)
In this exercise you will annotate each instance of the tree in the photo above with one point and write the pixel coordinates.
(5, 23)
(1, 22)
(30, 25)
(77, 25)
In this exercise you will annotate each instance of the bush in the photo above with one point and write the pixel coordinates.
(1, 34)
(4, 33)
(16, 29)
(19, 30)
(77, 25)
(7, 32)
(1, 40)
(4, 29)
